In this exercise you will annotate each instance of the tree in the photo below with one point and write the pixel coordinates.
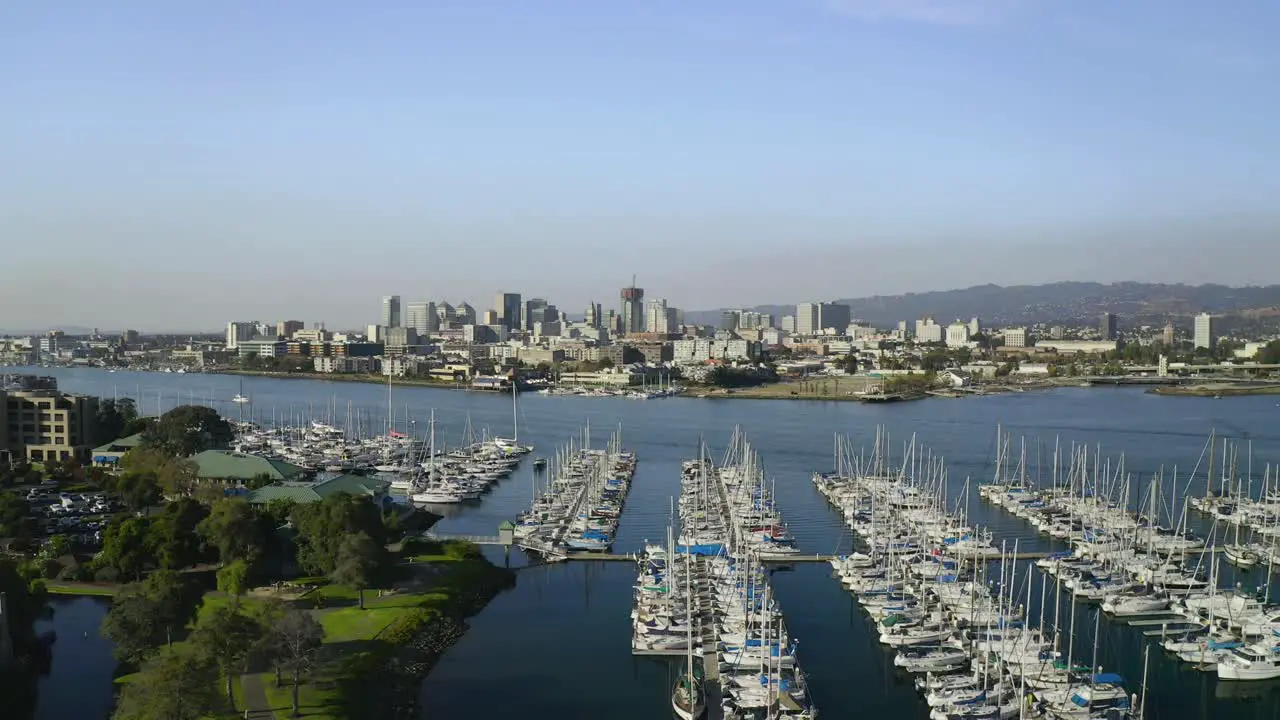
(173, 534)
(233, 579)
(177, 600)
(115, 415)
(1269, 354)
(177, 685)
(359, 559)
(57, 546)
(233, 528)
(174, 475)
(321, 528)
(295, 643)
(24, 604)
(136, 490)
(15, 518)
(144, 616)
(131, 625)
(187, 430)
(226, 637)
(126, 547)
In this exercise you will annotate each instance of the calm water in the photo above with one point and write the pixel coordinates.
(558, 644)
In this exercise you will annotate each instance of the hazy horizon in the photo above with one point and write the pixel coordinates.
(174, 165)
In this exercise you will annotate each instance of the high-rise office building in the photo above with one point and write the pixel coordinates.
(390, 311)
(464, 314)
(729, 320)
(1107, 326)
(632, 312)
(422, 317)
(1204, 331)
(535, 310)
(834, 316)
(594, 318)
(509, 309)
(240, 331)
(1168, 334)
(657, 317)
(807, 319)
(286, 328)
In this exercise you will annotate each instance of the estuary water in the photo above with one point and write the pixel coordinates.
(558, 643)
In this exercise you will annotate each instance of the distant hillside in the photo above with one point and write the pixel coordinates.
(1067, 302)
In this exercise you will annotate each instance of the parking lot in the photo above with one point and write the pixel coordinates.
(79, 516)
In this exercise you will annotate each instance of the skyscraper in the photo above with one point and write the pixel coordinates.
(632, 309)
(534, 310)
(593, 314)
(658, 319)
(1204, 331)
(1107, 326)
(390, 311)
(1168, 334)
(807, 319)
(508, 307)
(422, 317)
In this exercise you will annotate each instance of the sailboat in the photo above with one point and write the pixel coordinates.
(513, 445)
(240, 398)
(687, 699)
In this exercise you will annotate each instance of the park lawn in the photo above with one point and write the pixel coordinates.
(313, 702)
(352, 624)
(58, 588)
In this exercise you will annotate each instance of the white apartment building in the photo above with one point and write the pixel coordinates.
(927, 331)
(957, 334)
(238, 332)
(1015, 337)
(658, 317)
(807, 319)
(1204, 331)
(691, 351)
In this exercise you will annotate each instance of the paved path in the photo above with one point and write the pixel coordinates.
(255, 697)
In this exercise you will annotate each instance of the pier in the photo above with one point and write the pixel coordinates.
(585, 556)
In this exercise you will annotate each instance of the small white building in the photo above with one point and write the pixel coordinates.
(957, 334)
(956, 378)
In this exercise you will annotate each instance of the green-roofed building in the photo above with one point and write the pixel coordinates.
(235, 468)
(302, 492)
(109, 455)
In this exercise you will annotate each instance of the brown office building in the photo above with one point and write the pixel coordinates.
(40, 424)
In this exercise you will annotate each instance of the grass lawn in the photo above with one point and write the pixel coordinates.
(313, 702)
(58, 588)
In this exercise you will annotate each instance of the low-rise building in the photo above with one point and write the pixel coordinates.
(40, 424)
(1067, 347)
(1015, 337)
(539, 355)
(694, 351)
(343, 364)
(263, 347)
(109, 455)
(305, 493)
(235, 468)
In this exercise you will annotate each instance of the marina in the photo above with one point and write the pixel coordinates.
(950, 605)
(1146, 573)
(704, 596)
(581, 606)
(579, 508)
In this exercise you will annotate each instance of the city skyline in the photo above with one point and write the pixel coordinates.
(302, 160)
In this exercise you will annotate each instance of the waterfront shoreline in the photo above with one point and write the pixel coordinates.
(1216, 390)
(386, 680)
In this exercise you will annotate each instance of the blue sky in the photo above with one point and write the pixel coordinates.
(176, 164)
